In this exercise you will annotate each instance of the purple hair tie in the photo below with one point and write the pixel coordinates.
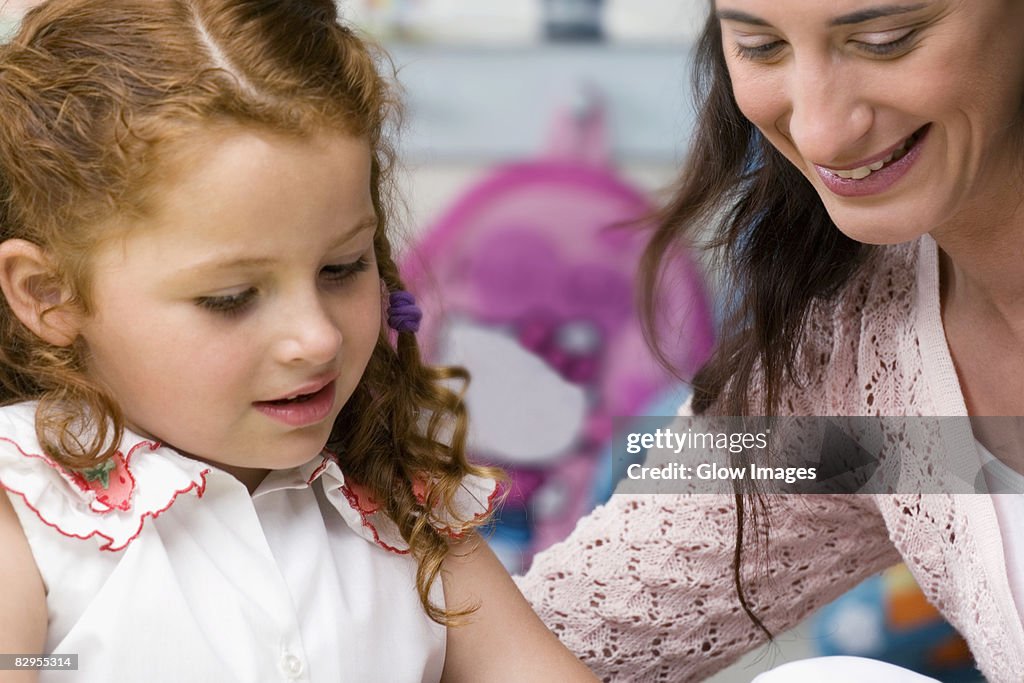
(403, 313)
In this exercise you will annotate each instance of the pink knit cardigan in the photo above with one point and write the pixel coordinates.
(642, 590)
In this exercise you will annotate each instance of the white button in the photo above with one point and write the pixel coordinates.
(291, 665)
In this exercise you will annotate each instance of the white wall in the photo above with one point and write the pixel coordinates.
(493, 22)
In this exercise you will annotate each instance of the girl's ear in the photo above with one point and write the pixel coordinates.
(34, 293)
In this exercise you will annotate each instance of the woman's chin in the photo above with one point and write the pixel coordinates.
(879, 230)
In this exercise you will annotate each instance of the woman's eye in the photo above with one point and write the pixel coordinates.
(229, 304)
(759, 51)
(885, 42)
(342, 272)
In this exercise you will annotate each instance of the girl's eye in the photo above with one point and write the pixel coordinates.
(230, 304)
(340, 273)
(886, 42)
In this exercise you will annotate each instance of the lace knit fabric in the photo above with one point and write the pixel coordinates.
(642, 590)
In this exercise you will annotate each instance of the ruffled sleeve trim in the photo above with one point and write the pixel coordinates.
(110, 503)
(474, 500)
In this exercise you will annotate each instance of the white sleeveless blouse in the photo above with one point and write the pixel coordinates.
(164, 568)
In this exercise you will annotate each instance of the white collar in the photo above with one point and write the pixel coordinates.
(144, 479)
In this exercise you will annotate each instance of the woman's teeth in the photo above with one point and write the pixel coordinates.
(298, 398)
(865, 171)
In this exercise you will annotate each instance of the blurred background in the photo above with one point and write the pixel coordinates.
(540, 136)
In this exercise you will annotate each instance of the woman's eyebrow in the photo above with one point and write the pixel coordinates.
(874, 13)
(742, 17)
(857, 17)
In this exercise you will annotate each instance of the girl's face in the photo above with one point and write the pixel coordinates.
(236, 320)
(903, 115)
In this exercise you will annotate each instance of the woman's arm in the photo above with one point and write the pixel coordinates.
(22, 598)
(643, 588)
(503, 640)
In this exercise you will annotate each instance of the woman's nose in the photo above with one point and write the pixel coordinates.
(828, 118)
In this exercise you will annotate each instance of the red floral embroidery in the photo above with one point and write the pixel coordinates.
(115, 495)
(112, 483)
(365, 509)
(488, 509)
(421, 488)
(360, 500)
(198, 486)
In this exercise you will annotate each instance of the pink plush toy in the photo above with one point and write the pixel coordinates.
(528, 281)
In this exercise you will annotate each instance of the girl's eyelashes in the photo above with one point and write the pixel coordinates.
(236, 304)
(342, 272)
(229, 304)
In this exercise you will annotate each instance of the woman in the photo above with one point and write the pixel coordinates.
(862, 162)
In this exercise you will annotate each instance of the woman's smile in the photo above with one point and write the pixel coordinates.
(871, 177)
(897, 114)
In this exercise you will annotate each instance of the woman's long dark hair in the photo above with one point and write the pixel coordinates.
(779, 251)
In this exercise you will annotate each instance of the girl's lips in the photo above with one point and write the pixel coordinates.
(880, 180)
(302, 411)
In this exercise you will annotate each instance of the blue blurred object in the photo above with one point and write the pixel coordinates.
(888, 618)
(612, 470)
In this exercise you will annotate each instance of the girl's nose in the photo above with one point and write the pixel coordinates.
(827, 119)
(310, 335)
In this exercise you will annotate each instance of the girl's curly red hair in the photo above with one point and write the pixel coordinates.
(95, 96)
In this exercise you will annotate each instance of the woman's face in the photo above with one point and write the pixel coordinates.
(903, 115)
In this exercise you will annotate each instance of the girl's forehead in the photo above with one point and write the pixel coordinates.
(249, 177)
(188, 149)
(222, 189)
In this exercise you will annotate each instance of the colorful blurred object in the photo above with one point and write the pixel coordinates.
(528, 281)
(887, 617)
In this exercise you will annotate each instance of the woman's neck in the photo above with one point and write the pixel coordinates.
(982, 291)
(982, 260)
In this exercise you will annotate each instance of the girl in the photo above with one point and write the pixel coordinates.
(861, 164)
(219, 464)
